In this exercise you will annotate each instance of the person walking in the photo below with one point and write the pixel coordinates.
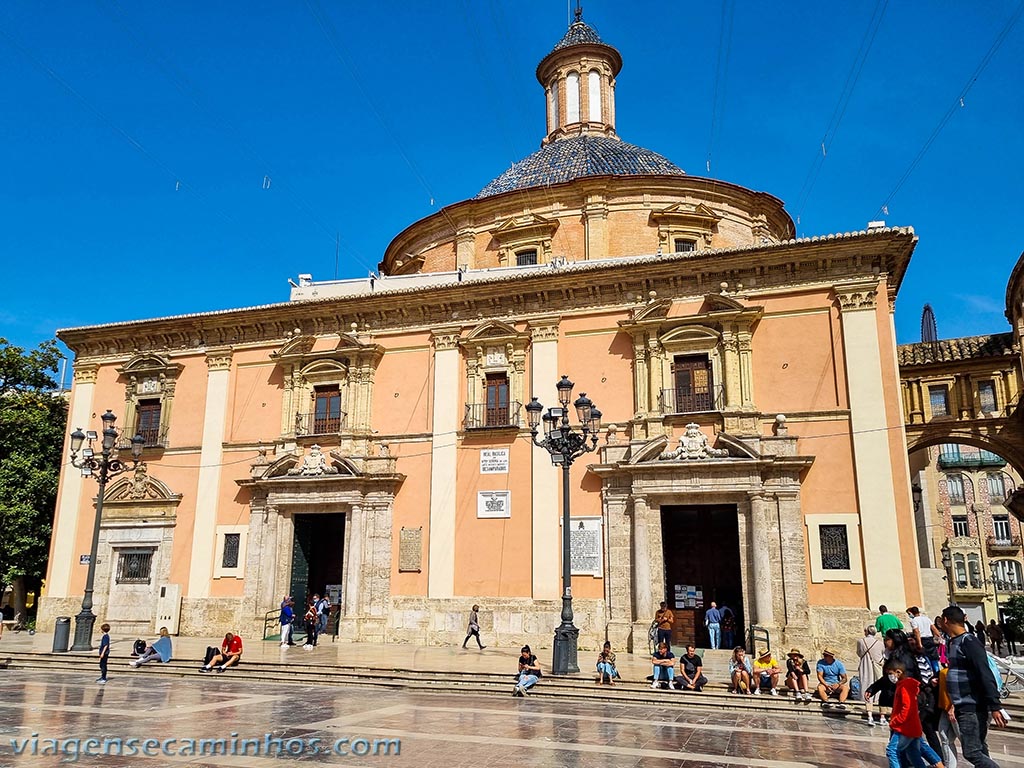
(971, 687)
(323, 613)
(311, 620)
(886, 621)
(728, 626)
(287, 618)
(104, 653)
(1010, 636)
(473, 630)
(979, 631)
(995, 636)
(904, 724)
(713, 621)
(664, 619)
(870, 651)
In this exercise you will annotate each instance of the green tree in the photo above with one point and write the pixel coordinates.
(1013, 612)
(33, 418)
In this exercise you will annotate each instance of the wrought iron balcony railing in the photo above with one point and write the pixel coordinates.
(483, 416)
(155, 437)
(955, 460)
(686, 401)
(318, 424)
(1003, 543)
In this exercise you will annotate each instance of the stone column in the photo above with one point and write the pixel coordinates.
(746, 370)
(619, 568)
(870, 426)
(544, 490)
(641, 376)
(465, 248)
(794, 561)
(69, 496)
(353, 563)
(443, 463)
(595, 217)
(731, 369)
(648, 568)
(761, 548)
(208, 486)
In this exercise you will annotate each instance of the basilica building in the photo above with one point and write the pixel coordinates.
(369, 437)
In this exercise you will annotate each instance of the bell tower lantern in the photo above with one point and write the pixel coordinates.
(578, 77)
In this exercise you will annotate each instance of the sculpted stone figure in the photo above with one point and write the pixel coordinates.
(693, 444)
(314, 464)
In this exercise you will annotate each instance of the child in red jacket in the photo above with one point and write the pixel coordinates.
(905, 722)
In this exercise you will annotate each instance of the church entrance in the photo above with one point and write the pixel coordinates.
(702, 564)
(317, 556)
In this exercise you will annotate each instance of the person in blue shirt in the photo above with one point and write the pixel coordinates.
(833, 682)
(713, 621)
(287, 617)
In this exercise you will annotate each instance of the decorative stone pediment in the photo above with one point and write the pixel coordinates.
(490, 330)
(718, 302)
(693, 444)
(655, 310)
(139, 486)
(143, 366)
(696, 222)
(315, 463)
(687, 213)
(526, 232)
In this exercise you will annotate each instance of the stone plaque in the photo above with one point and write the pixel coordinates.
(494, 461)
(586, 550)
(410, 550)
(494, 504)
(495, 357)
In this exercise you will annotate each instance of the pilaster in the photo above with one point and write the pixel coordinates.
(443, 463)
(544, 488)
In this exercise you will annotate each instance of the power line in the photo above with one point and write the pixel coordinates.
(832, 128)
(724, 51)
(958, 103)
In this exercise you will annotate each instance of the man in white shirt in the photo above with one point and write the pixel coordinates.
(921, 622)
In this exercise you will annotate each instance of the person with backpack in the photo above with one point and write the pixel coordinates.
(971, 687)
(323, 612)
(160, 649)
(286, 619)
(312, 621)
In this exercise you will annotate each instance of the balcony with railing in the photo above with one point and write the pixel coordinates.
(307, 424)
(957, 460)
(483, 416)
(154, 437)
(1003, 544)
(680, 401)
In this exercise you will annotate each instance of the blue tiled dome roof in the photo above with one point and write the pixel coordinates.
(578, 157)
(579, 33)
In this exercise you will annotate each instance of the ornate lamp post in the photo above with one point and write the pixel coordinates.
(947, 564)
(565, 445)
(102, 467)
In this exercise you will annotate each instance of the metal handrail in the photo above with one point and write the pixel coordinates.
(683, 400)
(999, 542)
(483, 416)
(155, 437)
(314, 424)
(756, 633)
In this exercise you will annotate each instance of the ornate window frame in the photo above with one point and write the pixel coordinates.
(523, 233)
(819, 575)
(689, 221)
(494, 347)
(238, 572)
(149, 377)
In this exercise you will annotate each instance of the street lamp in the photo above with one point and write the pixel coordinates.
(565, 446)
(102, 467)
(947, 564)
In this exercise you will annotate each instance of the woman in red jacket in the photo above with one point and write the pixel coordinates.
(905, 722)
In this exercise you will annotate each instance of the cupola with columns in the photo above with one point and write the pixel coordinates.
(579, 83)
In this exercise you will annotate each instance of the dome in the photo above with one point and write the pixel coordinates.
(579, 33)
(578, 157)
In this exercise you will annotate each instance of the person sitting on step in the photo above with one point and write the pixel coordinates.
(529, 673)
(740, 671)
(691, 669)
(797, 675)
(158, 650)
(766, 673)
(229, 656)
(664, 662)
(833, 682)
(606, 665)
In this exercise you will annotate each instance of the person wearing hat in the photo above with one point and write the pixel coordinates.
(833, 682)
(529, 672)
(797, 675)
(766, 673)
(287, 616)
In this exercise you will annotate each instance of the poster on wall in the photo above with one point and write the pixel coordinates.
(494, 504)
(586, 548)
(494, 461)
(333, 592)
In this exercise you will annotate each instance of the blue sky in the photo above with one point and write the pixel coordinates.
(136, 188)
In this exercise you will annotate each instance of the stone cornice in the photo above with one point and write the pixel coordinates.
(525, 296)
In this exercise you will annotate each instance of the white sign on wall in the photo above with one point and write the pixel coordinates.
(494, 504)
(494, 461)
(586, 546)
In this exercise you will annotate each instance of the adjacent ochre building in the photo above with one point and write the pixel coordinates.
(370, 434)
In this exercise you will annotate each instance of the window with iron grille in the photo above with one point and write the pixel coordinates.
(232, 544)
(938, 397)
(682, 245)
(134, 565)
(525, 258)
(955, 486)
(835, 548)
(961, 527)
(1001, 528)
(987, 396)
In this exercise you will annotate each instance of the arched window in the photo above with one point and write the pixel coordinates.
(554, 122)
(572, 97)
(960, 571)
(974, 570)
(594, 92)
